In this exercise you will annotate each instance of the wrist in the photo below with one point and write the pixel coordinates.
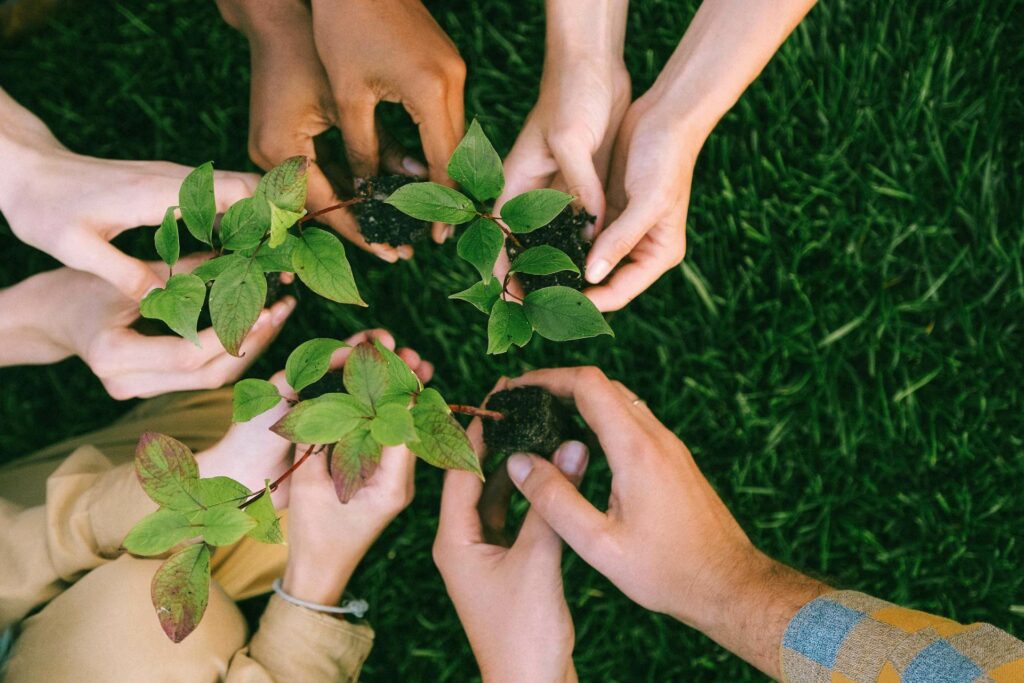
(259, 16)
(597, 34)
(32, 332)
(315, 581)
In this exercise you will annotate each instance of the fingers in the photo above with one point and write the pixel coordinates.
(88, 251)
(556, 500)
(604, 408)
(571, 459)
(423, 369)
(459, 522)
(339, 357)
(528, 166)
(439, 134)
(393, 157)
(357, 123)
(576, 165)
(625, 285)
(618, 239)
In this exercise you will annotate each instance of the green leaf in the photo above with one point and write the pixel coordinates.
(225, 524)
(310, 361)
(431, 399)
(285, 185)
(401, 379)
(476, 166)
(393, 426)
(236, 300)
(353, 461)
(324, 419)
(482, 295)
(433, 202)
(277, 259)
(543, 260)
(167, 471)
(166, 238)
(366, 374)
(244, 223)
(442, 442)
(211, 269)
(319, 260)
(563, 314)
(181, 589)
(197, 202)
(178, 304)
(533, 209)
(268, 526)
(480, 244)
(280, 221)
(158, 532)
(507, 326)
(214, 491)
(252, 397)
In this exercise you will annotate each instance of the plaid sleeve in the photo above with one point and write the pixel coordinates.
(849, 637)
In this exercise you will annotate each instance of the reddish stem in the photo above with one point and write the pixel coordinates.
(333, 207)
(476, 412)
(277, 482)
(508, 233)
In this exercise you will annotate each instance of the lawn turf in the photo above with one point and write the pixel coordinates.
(843, 344)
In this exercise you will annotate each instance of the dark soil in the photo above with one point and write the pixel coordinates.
(156, 328)
(565, 233)
(331, 383)
(535, 422)
(383, 223)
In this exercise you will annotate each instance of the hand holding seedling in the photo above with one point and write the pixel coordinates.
(65, 312)
(328, 66)
(508, 593)
(666, 540)
(71, 206)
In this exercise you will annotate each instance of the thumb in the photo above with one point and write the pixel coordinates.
(577, 166)
(618, 239)
(536, 534)
(556, 499)
(134, 278)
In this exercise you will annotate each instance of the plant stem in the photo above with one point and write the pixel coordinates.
(476, 412)
(277, 482)
(508, 233)
(333, 207)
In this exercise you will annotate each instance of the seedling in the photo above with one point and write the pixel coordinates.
(558, 312)
(259, 235)
(384, 404)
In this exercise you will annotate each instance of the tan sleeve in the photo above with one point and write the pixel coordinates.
(298, 644)
(90, 507)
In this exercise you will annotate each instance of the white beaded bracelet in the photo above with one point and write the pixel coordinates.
(356, 608)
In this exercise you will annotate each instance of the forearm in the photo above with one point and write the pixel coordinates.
(756, 600)
(594, 29)
(724, 49)
(27, 325)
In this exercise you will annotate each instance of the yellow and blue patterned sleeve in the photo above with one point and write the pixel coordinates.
(849, 637)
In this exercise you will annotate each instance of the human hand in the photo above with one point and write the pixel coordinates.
(648, 197)
(326, 538)
(667, 540)
(508, 595)
(71, 206)
(392, 51)
(66, 312)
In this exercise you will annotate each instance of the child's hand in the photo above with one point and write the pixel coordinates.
(327, 539)
(509, 596)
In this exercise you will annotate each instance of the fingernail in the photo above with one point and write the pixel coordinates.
(597, 271)
(519, 467)
(282, 310)
(414, 166)
(571, 458)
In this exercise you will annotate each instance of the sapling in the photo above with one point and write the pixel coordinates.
(558, 312)
(260, 236)
(383, 404)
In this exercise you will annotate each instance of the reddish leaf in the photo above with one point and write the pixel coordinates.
(353, 461)
(181, 590)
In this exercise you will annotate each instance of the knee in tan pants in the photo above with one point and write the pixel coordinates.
(103, 628)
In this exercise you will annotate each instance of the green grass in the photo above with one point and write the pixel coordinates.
(843, 346)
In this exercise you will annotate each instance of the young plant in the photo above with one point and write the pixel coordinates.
(384, 404)
(256, 238)
(558, 313)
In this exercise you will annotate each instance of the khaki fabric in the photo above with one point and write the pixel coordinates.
(199, 419)
(61, 527)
